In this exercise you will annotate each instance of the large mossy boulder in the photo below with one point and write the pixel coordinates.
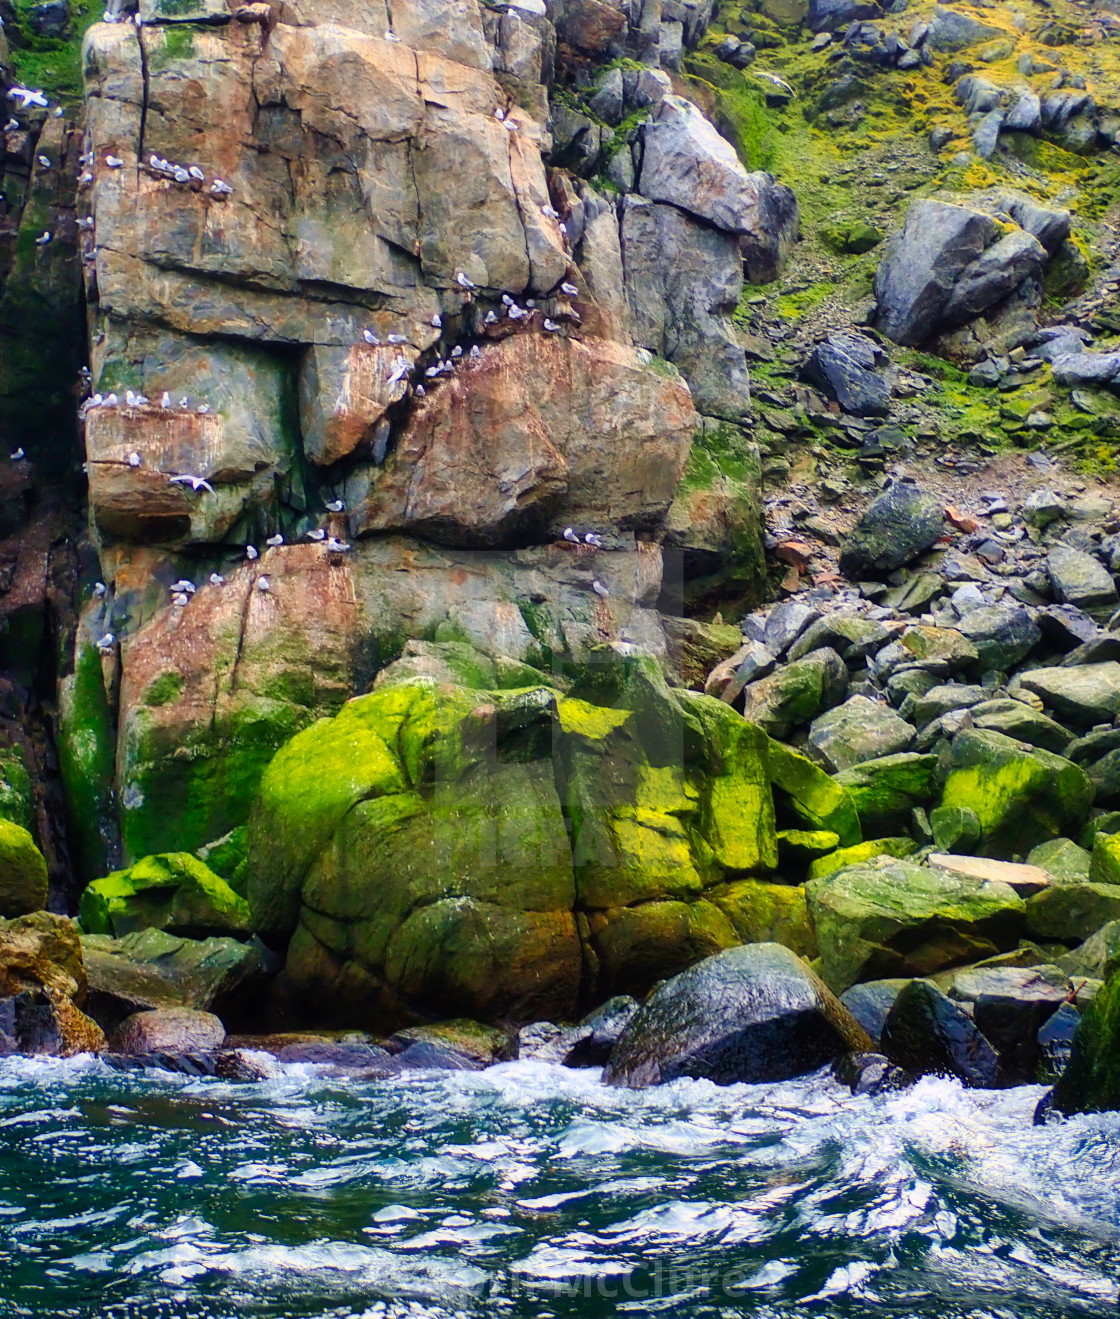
(755, 1013)
(887, 789)
(1091, 1082)
(1021, 795)
(23, 872)
(809, 795)
(42, 950)
(438, 849)
(892, 919)
(174, 891)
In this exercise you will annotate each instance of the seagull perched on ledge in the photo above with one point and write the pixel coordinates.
(184, 586)
(216, 579)
(113, 162)
(336, 546)
(571, 536)
(45, 161)
(107, 642)
(463, 281)
(43, 239)
(317, 534)
(335, 506)
(99, 590)
(263, 584)
(196, 483)
(250, 552)
(599, 589)
(274, 541)
(592, 539)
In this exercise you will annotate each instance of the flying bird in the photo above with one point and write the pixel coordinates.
(196, 483)
(28, 97)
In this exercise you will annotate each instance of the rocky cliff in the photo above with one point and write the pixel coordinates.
(477, 361)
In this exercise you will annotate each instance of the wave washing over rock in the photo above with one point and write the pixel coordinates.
(559, 655)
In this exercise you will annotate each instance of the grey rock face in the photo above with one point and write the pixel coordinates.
(683, 280)
(833, 15)
(895, 528)
(949, 29)
(915, 279)
(767, 246)
(1049, 225)
(994, 275)
(755, 1013)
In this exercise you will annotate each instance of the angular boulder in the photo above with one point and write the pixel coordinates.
(1085, 694)
(1020, 795)
(859, 730)
(886, 789)
(888, 919)
(915, 279)
(174, 892)
(895, 528)
(927, 1033)
(755, 1013)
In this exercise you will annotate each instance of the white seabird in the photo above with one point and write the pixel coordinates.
(273, 541)
(216, 579)
(551, 212)
(134, 457)
(592, 539)
(18, 455)
(185, 585)
(99, 589)
(113, 162)
(475, 351)
(111, 401)
(457, 351)
(336, 506)
(28, 97)
(507, 301)
(437, 321)
(85, 222)
(182, 175)
(165, 401)
(400, 373)
(195, 173)
(336, 546)
(391, 36)
(516, 313)
(204, 408)
(317, 534)
(180, 599)
(11, 126)
(196, 483)
(397, 338)
(550, 326)
(85, 177)
(463, 282)
(250, 552)
(129, 398)
(184, 402)
(569, 534)
(220, 188)
(569, 289)
(371, 338)
(420, 391)
(432, 372)
(106, 643)
(263, 584)
(45, 161)
(490, 318)
(43, 239)
(599, 589)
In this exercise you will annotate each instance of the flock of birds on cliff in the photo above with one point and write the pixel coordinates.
(400, 370)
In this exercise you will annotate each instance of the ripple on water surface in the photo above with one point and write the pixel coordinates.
(532, 1190)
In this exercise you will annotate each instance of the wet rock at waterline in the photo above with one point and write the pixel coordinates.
(755, 1013)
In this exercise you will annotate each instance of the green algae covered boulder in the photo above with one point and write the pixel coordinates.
(16, 801)
(811, 795)
(23, 872)
(887, 789)
(1021, 795)
(506, 853)
(890, 918)
(174, 891)
(1091, 1082)
(852, 856)
(760, 912)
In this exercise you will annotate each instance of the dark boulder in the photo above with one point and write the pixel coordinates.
(766, 246)
(753, 1013)
(994, 276)
(849, 367)
(929, 1034)
(870, 1003)
(1091, 1082)
(833, 15)
(895, 528)
(1010, 1005)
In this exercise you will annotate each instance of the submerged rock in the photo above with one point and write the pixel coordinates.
(755, 1013)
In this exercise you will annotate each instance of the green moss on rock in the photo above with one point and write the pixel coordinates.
(23, 872)
(174, 892)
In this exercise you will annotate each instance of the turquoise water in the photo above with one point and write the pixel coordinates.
(531, 1190)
